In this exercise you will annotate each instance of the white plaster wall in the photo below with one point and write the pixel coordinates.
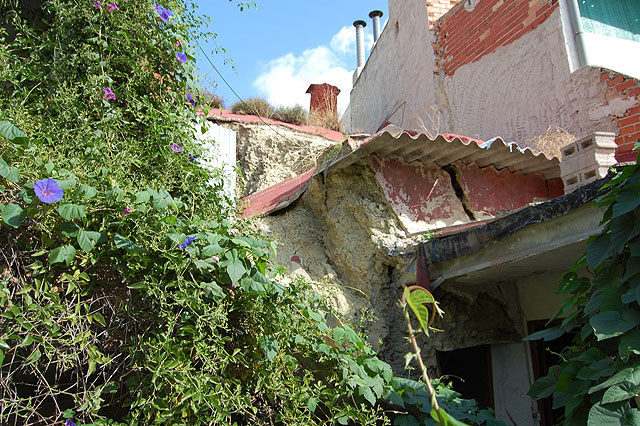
(398, 74)
(511, 382)
(521, 89)
(218, 155)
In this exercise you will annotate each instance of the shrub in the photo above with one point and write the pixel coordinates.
(253, 106)
(213, 100)
(294, 115)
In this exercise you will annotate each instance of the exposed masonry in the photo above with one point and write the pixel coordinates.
(622, 89)
(463, 36)
(437, 8)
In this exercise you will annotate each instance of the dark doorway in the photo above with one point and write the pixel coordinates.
(543, 356)
(470, 372)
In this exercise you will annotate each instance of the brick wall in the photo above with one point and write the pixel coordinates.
(471, 30)
(437, 8)
(622, 87)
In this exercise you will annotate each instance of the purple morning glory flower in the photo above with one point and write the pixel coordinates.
(48, 190)
(182, 57)
(175, 148)
(69, 423)
(108, 94)
(126, 211)
(165, 14)
(112, 6)
(193, 157)
(98, 5)
(187, 241)
(191, 101)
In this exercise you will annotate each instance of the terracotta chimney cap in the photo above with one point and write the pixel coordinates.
(313, 87)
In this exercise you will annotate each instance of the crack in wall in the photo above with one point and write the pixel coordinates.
(457, 187)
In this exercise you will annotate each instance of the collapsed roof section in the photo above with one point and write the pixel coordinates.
(420, 159)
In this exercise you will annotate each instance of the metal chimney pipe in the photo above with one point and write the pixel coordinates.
(376, 15)
(360, 41)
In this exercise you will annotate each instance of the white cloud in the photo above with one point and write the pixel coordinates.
(286, 79)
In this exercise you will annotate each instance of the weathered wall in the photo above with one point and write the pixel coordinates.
(437, 8)
(538, 295)
(622, 91)
(474, 29)
(394, 85)
(266, 156)
(520, 90)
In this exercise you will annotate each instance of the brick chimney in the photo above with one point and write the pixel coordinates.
(324, 100)
(437, 8)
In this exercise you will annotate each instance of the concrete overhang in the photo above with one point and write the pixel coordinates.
(546, 237)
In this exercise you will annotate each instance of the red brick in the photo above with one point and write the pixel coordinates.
(629, 121)
(618, 79)
(634, 92)
(633, 111)
(625, 85)
(604, 76)
(626, 131)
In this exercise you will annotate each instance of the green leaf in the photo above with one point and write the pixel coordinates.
(87, 192)
(269, 346)
(205, 265)
(87, 239)
(312, 403)
(627, 200)
(11, 132)
(618, 414)
(4, 168)
(161, 199)
(447, 419)
(122, 242)
(34, 357)
(544, 386)
(612, 323)
(69, 229)
(547, 334)
(601, 368)
(13, 215)
(13, 174)
(236, 270)
(142, 197)
(416, 299)
(620, 392)
(71, 211)
(406, 420)
(599, 249)
(211, 250)
(633, 268)
(212, 290)
(61, 254)
(138, 286)
(629, 374)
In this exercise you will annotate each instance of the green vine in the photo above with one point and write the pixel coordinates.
(598, 381)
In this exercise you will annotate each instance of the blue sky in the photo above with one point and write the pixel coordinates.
(280, 47)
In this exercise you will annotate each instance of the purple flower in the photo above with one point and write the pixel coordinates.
(112, 6)
(108, 94)
(215, 258)
(48, 190)
(165, 14)
(175, 148)
(193, 157)
(191, 101)
(182, 57)
(69, 423)
(99, 6)
(126, 211)
(187, 241)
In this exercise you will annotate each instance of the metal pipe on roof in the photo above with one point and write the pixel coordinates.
(375, 15)
(360, 41)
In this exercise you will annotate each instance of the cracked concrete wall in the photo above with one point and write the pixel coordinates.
(266, 156)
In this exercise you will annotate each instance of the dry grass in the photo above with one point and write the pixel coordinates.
(327, 116)
(550, 143)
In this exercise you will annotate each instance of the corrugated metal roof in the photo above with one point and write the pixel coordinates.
(448, 148)
(413, 146)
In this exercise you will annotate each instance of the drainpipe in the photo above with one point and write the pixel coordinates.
(359, 47)
(376, 15)
(578, 32)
